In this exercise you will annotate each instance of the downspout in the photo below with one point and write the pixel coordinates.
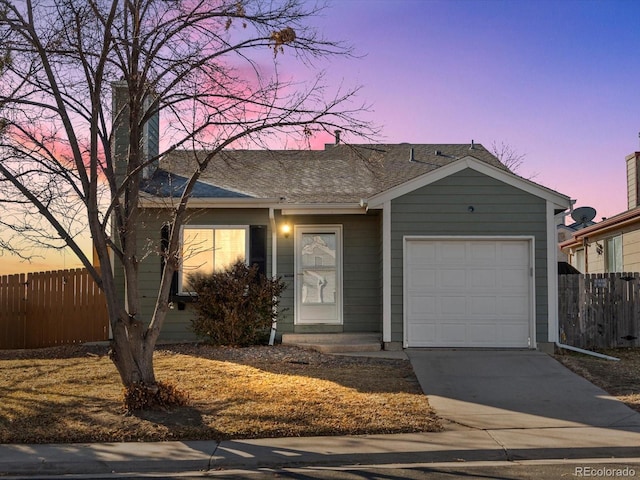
(585, 244)
(586, 352)
(274, 270)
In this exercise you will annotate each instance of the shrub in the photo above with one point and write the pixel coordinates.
(235, 306)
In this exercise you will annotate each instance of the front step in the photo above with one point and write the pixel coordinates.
(335, 342)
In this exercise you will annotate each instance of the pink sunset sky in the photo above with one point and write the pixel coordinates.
(557, 80)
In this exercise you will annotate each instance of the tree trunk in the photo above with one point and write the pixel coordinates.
(132, 353)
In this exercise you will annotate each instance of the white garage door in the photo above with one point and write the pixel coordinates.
(467, 293)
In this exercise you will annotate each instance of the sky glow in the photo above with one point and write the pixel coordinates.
(556, 80)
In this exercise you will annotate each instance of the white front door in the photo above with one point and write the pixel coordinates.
(318, 267)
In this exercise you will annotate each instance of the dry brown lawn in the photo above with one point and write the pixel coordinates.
(73, 394)
(620, 379)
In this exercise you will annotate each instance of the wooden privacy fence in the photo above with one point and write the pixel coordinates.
(51, 308)
(599, 310)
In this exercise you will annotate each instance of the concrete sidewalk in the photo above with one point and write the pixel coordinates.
(457, 445)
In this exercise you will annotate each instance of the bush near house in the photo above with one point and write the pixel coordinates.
(235, 306)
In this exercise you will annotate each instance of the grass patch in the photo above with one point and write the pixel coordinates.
(619, 379)
(74, 394)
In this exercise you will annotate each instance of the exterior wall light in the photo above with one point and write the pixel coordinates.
(286, 230)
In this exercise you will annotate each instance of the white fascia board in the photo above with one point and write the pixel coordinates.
(148, 201)
(561, 201)
(324, 209)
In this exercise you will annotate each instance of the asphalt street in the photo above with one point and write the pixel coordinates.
(522, 470)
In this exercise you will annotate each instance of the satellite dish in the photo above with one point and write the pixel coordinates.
(583, 214)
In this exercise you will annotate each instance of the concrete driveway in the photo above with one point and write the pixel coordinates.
(514, 389)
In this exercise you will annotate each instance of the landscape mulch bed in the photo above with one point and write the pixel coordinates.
(74, 394)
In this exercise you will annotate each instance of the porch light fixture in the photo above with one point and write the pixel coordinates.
(286, 230)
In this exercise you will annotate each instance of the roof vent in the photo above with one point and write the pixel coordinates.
(337, 136)
(412, 157)
(473, 145)
(438, 152)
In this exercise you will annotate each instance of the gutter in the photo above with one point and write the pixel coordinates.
(148, 201)
(586, 352)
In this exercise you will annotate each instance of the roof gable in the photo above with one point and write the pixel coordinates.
(473, 163)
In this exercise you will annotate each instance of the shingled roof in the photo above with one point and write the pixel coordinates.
(337, 174)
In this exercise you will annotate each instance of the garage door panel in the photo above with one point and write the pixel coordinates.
(482, 253)
(423, 253)
(513, 253)
(482, 305)
(422, 306)
(422, 330)
(482, 279)
(514, 279)
(422, 277)
(452, 305)
(481, 334)
(511, 333)
(450, 278)
(515, 306)
(451, 253)
(452, 333)
(472, 292)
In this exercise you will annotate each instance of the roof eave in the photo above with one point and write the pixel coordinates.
(323, 208)
(150, 201)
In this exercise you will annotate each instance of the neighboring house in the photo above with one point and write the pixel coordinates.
(582, 218)
(612, 245)
(424, 245)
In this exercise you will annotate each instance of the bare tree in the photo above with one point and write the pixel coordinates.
(509, 157)
(200, 65)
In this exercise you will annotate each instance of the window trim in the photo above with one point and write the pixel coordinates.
(247, 243)
(616, 255)
(579, 259)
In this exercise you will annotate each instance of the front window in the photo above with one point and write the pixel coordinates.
(613, 254)
(578, 261)
(208, 249)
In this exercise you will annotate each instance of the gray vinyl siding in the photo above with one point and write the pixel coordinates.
(442, 208)
(362, 310)
(177, 325)
(362, 303)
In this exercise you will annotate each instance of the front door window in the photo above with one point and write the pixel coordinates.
(318, 285)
